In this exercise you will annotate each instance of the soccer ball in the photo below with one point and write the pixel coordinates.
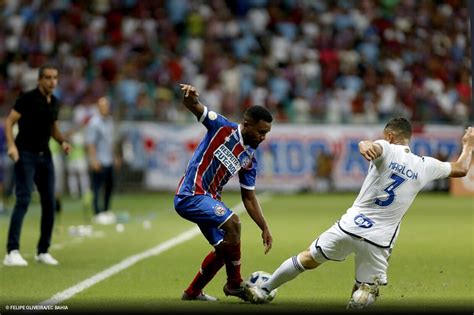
(363, 297)
(258, 278)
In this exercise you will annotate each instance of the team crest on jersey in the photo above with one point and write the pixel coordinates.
(246, 162)
(212, 115)
(219, 210)
(363, 222)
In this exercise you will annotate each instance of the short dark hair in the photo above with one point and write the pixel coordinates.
(257, 113)
(44, 67)
(400, 126)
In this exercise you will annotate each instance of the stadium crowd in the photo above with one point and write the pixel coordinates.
(306, 61)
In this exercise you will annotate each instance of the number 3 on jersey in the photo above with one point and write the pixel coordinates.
(390, 190)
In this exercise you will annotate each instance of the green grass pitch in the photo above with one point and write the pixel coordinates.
(431, 267)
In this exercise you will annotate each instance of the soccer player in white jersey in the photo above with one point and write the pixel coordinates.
(370, 227)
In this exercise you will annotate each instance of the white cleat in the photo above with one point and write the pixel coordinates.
(14, 259)
(363, 297)
(200, 297)
(258, 295)
(47, 259)
(105, 218)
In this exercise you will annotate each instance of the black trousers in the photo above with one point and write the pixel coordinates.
(32, 168)
(102, 179)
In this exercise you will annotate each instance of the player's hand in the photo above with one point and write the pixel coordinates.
(368, 150)
(118, 163)
(13, 153)
(267, 240)
(468, 138)
(95, 165)
(190, 94)
(66, 147)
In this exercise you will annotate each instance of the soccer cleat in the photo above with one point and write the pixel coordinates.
(14, 259)
(364, 296)
(104, 218)
(47, 259)
(241, 292)
(258, 295)
(200, 297)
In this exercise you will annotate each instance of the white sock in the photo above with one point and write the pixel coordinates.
(287, 271)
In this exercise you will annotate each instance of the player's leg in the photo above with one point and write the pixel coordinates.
(209, 214)
(211, 264)
(230, 250)
(331, 245)
(371, 263)
(290, 269)
(287, 271)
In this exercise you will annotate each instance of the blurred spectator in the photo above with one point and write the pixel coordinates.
(103, 158)
(323, 172)
(78, 180)
(36, 114)
(366, 57)
(441, 184)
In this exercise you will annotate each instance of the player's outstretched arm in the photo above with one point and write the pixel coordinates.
(460, 168)
(191, 101)
(370, 150)
(255, 211)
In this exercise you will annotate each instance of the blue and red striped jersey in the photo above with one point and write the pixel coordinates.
(220, 155)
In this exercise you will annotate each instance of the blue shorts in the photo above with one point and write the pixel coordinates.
(209, 214)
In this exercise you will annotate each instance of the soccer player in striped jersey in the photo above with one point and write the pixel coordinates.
(370, 227)
(227, 149)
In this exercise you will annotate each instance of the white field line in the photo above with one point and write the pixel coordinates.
(131, 260)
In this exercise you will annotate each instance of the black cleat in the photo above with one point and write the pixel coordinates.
(241, 292)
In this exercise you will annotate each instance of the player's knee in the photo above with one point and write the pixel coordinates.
(307, 260)
(23, 200)
(232, 230)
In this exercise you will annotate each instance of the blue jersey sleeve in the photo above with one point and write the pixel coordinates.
(248, 177)
(213, 121)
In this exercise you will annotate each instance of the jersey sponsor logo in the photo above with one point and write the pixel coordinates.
(219, 210)
(363, 222)
(225, 156)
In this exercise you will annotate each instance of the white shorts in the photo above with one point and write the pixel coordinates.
(371, 262)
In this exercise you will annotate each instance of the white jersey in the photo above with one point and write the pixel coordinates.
(392, 183)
